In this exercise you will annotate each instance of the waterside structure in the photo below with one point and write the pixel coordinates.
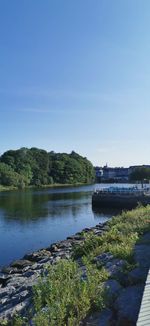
(108, 174)
(124, 197)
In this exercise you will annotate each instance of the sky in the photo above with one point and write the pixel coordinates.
(75, 75)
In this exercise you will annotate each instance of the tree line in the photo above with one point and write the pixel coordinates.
(37, 167)
(140, 174)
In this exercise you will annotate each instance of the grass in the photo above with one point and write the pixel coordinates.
(54, 185)
(123, 232)
(64, 297)
(7, 188)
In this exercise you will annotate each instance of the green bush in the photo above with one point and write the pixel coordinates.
(64, 298)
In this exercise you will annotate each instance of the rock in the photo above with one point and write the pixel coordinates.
(137, 275)
(10, 310)
(45, 260)
(78, 237)
(16, 281)
(67, 256)
(14, 300)
(28, 273)
(98, 232)
(25, 269)
(86, 229)
(113, 289)
(21, 263)
(128, 305)
(65, 244)
(4, 278)
(83, 273)
(7, 291)
(142, 255)
(121, 277)
(11, 270)
(62, 254)
(55, 260)
(103, 258)
(37, 267)
(37, 256)
(145, 239)
(115, 266)
(112, 265)
(103, 318)
(54, 247)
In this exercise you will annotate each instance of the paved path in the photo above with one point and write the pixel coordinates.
(144, 315)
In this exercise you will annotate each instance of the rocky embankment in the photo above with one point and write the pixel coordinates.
(124, 290)
(16, 280)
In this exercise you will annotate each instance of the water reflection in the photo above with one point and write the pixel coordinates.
(32, 219)
(26, 206)
(105, 212)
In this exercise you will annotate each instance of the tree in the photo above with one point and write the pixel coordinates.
(140, 174)
(8, 177)
(37, 167)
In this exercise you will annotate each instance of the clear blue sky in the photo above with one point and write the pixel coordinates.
(75, 75)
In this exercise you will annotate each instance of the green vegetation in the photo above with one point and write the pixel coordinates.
(36, 167)
(123, 232)
(140, 174)
(63, 297)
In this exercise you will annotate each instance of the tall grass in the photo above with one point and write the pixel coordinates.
(123, 232)
(65, 296)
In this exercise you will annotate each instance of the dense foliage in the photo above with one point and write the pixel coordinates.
(140, 174)
(37, 167)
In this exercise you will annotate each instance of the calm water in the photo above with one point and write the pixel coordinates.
(34, 219)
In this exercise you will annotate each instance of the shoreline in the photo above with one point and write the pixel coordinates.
(122, 263)
(55, 185)
(18, 278)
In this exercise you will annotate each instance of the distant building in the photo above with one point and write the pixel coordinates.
(98, 173)
(108, 174)
(116, 174)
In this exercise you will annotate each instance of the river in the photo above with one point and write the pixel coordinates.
(34, 219)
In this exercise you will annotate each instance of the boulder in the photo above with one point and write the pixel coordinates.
(7, 291)
(103, 258)
(112, 289)
(37, 256)
(145, 239)
(111, 264)
(21, 263)
(16, 281)
(128, 304)
(10, 310)
(115, 266)
(142, 255)
(104, 318)
(137, 275)
(4, 278)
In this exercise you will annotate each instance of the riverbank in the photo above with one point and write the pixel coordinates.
(54, 185)
(92, 277)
